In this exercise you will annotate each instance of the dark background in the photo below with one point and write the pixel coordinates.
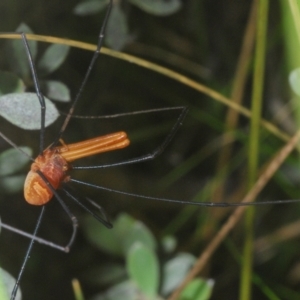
(209, 35)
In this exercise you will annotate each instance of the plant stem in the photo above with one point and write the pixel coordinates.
(257, 95)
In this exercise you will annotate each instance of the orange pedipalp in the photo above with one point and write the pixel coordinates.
(94, 146)
(54, 164)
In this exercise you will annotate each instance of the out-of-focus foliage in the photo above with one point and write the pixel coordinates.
(202, 41)
(118, 25)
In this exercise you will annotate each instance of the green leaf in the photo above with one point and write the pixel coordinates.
(103, 238)
(24, 110)
(12, 184)
(7, 283)
(114, 272)
(158, 7)
(294, 80)
(12, 160)
(175, 270)
(143, 269)
(10, 83)
(125, 290)
(17, 53)
(57, 90)
(198, 289)
(89, 7)
(169, 243)
(138, 232)
(52, 59)
(110, 241)
(117, 29)
(118, 241)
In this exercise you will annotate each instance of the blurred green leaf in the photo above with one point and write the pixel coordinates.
(52, 59)
(125, 290)
(294, 80)
(89, 7)
(24, 110)
(198, 289)
(4, 293)
(143, 269)
(169, 243)
(138, 232)
(7, 283)
(17, 53)
(118, 241)
(57, 90)
(110, 241)
(114, 272)
(10, 83)
(158, 7)
(103, 238)
(175, 270)
(12, 184)
(12, 160)
(117, 29)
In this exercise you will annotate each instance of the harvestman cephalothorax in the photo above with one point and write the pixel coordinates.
(50, 168)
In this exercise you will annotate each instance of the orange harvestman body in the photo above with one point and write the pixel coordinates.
(54, 164)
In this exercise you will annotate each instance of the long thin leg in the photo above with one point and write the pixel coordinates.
(87, 75)
(33, 237)
(148, 156)
(37, 90)
(202, 204)
(5, 138)
(15, 289)
(66, 209)
(42, 133)
(102, 219)
(132, 113)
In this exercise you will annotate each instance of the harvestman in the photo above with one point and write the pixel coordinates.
(42, 181)
(50, 168)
